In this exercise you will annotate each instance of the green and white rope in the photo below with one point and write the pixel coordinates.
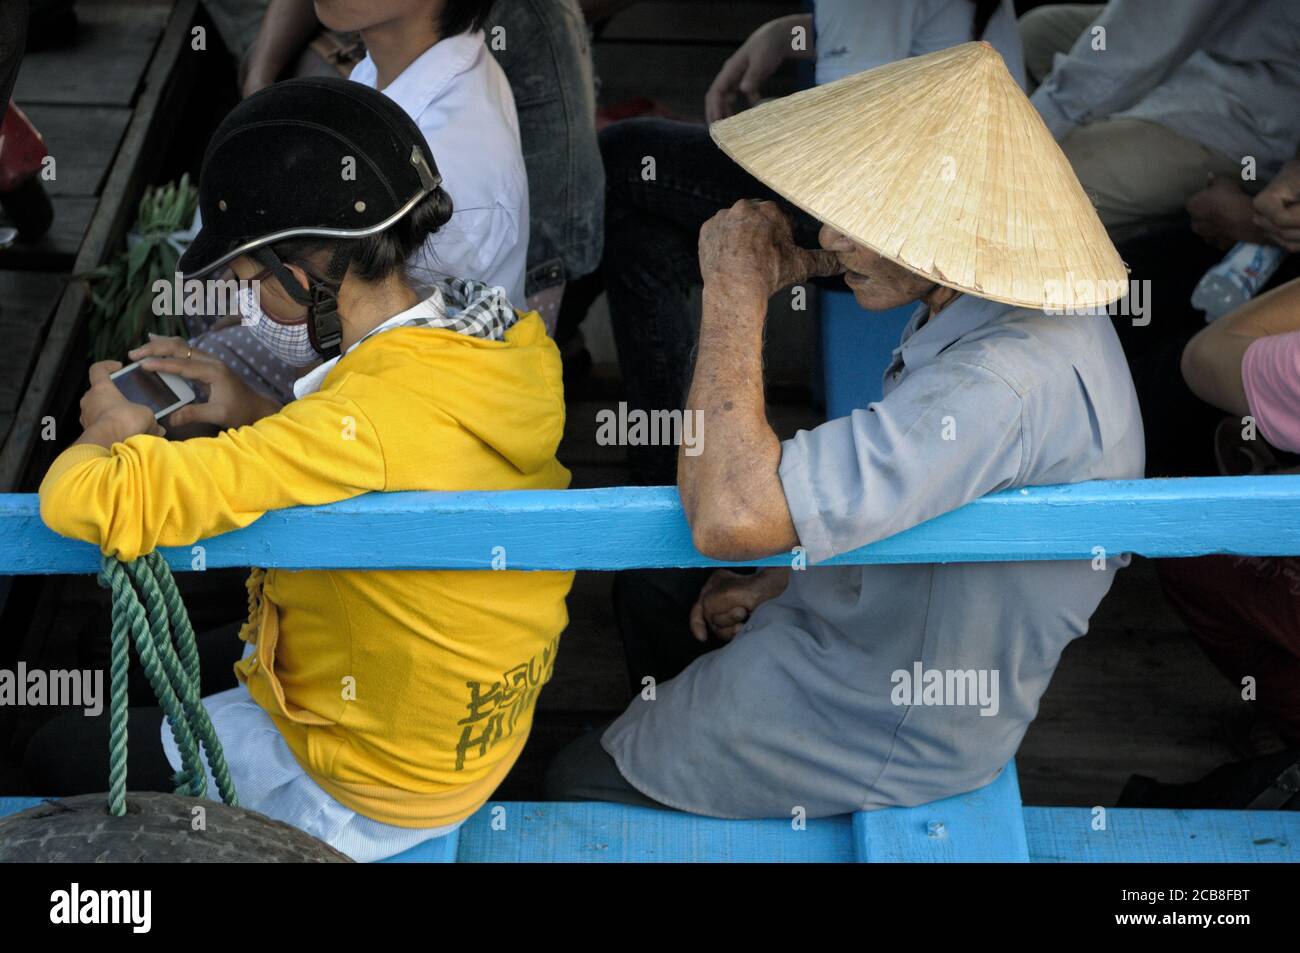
(148, 611)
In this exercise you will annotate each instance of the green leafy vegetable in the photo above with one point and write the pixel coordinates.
(121, 290)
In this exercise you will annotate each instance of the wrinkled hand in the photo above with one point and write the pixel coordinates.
(107, 415)
(1223, 214)
(750, 247)
(747, 70)
(729, 598)
(1277, 213)
(230, 403)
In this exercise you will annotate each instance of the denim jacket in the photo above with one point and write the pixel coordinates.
(543, 47)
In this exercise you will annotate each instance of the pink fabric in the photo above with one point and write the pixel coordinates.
(1270, 372)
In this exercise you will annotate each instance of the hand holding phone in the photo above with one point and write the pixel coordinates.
(229, 402)
(159, 391)
(107, 415)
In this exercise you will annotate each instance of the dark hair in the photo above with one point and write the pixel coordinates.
(464, 16)
(378, 256)
(984, 10)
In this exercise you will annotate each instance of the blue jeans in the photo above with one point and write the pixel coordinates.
(546, 56)
(651, 260)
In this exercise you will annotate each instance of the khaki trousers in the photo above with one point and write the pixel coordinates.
(1138, 173)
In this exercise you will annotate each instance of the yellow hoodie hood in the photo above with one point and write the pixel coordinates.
(508, 394)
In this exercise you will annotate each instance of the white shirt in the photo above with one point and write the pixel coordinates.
(459, 97)
(857, 35)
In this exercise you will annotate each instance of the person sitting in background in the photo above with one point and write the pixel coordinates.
(1245, 611)
(370, 709)
(653, 220)
(1148, 99)
(431, 59)
(428, 56)
(1167, 261)
(542, 47)
(800, 689)
(844, 38)
(1173, 116)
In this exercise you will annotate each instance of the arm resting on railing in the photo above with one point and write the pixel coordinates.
(147, 492)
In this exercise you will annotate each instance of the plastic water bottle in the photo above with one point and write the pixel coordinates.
(1236, 279)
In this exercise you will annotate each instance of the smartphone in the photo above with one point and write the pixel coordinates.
(161, 393)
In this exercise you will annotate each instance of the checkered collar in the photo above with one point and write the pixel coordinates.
(457, 304)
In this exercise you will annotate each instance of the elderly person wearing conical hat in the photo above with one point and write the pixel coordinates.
(835, 688)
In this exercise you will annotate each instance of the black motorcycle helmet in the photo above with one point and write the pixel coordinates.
(310, 158)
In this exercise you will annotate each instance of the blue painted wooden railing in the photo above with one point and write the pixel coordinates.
(620, 528)
(623, 528)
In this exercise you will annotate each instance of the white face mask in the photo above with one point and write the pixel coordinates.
(289, 342)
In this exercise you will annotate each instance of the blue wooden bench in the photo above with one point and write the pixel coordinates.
(620, 528)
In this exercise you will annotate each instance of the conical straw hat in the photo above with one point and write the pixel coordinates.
(940, 164)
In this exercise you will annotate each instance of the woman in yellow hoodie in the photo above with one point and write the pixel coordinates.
(374, 709)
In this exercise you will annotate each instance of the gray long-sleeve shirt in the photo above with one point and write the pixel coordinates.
(816, 703)
(1224, 73)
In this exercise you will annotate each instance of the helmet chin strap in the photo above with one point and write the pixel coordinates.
(321, 298)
